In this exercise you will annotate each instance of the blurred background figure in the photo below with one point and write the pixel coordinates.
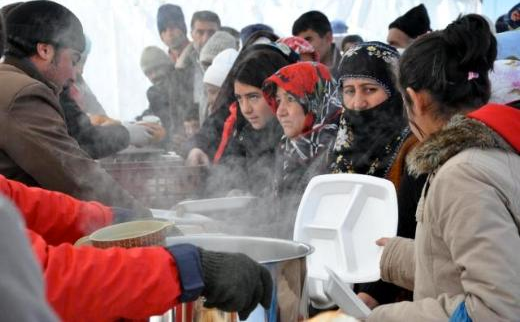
(172, 29)
(302, 47)
(204, 24)
(216, 44)
(315, 27)
(339, 31)
(350, 41)
(191, 124)
(163, 96)
(403, 30)
(96, 133)
(216, 74)
(89, 102)
(219, 42)
(233, 32)
(248, 30)
(510, 20)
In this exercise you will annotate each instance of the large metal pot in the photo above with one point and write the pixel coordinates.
(285, 260)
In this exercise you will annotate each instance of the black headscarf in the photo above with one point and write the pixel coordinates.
(368, 141)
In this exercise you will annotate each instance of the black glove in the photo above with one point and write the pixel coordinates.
(234, 282)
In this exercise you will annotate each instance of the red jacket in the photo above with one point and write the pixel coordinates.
(85, 283)
(227, 132)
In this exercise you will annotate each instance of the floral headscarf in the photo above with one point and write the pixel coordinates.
(368, 141)
(300, 46)
(314, 88)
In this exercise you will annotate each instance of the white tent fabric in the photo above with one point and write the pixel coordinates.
(120, 29)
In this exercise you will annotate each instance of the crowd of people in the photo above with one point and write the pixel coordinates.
(435, 112)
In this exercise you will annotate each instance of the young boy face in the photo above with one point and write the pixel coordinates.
(191, 127)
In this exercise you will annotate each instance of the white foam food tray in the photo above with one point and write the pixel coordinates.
(345, 298)
(202, 206)
(342, 216)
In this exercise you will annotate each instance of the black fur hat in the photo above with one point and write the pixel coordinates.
(413, 23)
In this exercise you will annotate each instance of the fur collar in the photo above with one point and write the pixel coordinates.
(459, 134)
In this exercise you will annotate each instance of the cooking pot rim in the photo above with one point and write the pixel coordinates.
(309, 249)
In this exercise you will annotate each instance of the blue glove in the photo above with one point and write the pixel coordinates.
(460, 314)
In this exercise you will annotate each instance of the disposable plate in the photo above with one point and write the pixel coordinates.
(342, 216)
(345, 298)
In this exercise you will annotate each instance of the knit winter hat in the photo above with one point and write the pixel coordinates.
(218, 42)
(153, 57)
(42, 21)
(248, 30)
(413, 23)
(219, 69)
(338, 26)
(170, 15)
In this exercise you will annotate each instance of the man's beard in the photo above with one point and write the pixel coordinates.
(51, 74)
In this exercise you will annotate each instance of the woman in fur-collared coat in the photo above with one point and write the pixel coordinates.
(464, 262)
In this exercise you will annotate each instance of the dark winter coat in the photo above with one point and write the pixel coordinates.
(97, 141)
(35, 147)
(248, 161)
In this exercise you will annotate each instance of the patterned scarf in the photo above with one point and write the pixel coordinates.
(313, 87)
(368, 141)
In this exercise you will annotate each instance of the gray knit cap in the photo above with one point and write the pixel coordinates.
(218, 42)
(153, 57)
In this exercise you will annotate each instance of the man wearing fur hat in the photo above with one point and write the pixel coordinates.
(44, 43)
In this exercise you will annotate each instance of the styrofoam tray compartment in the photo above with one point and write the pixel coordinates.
(202, 206)
(342, 215)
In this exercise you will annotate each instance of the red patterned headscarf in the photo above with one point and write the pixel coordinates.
(309, 82)
(300, 46)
